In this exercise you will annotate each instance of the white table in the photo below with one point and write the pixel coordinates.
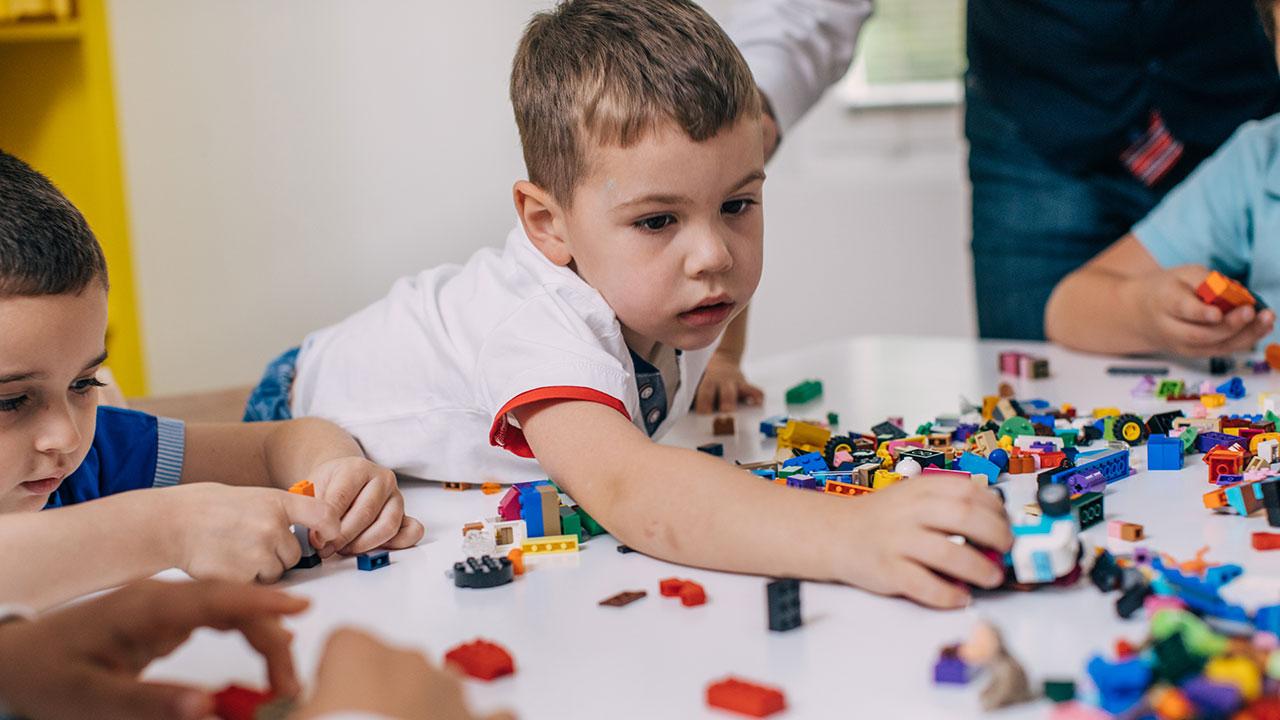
(857, 655)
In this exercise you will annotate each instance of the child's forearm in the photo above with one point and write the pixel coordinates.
(295, 448)
(691, 508)
(56, 555)
(1097, 310)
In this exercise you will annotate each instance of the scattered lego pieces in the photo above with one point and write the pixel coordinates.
(624, 598)
(373, 560)
(1023, 365)
(483, 572)
(783, 598)
(745, 698)
(481, 659)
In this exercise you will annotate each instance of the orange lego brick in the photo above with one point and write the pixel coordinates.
(516, 556)
(481, 659)
(745, 698)
(670, 587)
(491, 488)
(1224, 293)
(692, 594)
(472, 526)
(303, 487)
(1266, 541)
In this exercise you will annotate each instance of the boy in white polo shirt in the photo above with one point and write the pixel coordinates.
(563, 354)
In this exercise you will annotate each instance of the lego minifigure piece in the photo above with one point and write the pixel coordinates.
(481, 659)
(483, 572)
(723, 425)
(783, 598)
(550, 544)
(716, 449)
(624, 598)
(373, 560)
(516, 557)
(745, 698)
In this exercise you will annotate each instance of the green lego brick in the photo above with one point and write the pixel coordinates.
(1068, 436)
(589, 523)
(806, 391)
(571, 523)
(1170, 387)
(1060, 690)
(1088, 509)
(1188, 438)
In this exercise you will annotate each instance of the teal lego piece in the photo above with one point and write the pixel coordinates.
(807, 391)
(1088, 509)
(978, 465)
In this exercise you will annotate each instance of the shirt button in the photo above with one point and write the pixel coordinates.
(646, 392)
(654, 416)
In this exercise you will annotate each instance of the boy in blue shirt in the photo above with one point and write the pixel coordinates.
(1138, 296)
(58, 448)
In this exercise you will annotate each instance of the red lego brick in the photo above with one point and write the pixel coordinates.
(1266, 541)
(237, 703)
(481, 659)
(746, 698)
(670, 587)
(692, 594)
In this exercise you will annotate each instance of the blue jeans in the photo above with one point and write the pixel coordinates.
(270, 399)
(1032, 223)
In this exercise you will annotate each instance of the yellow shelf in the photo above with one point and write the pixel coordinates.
(21, 32)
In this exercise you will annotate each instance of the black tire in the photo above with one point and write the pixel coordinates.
(835, 444)
(1130, 429)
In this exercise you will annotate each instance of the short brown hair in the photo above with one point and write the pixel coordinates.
(612, 70)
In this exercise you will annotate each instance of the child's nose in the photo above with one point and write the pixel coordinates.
(711, 255)
(59, 432)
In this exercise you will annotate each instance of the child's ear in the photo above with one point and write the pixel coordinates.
(543, 221)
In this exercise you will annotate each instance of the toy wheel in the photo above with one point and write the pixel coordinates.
(835, 445)
(1130, 429)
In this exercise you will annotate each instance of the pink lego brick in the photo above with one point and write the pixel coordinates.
(509, 505)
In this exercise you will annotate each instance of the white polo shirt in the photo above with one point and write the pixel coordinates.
(426, 378)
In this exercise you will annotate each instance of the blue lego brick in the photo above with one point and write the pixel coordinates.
(531, 512)
(373, 560)
(765, 473)
(1164, 453)
(1200, 595)
(809, 463)
(1113, 464)
(1254, 417)
(802, 481)
(769, 426)
(1121, 685)
(978, 465)
(1267, 619)
(1233, 388)
(1036, 404)
(1207, 441)
(1219, 575)
(1043, 420)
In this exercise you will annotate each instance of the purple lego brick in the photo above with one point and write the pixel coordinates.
(1210, 698)
(950, 670)
(1207, 441)
(1092, 481)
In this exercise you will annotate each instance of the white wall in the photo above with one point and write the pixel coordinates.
(286, 161)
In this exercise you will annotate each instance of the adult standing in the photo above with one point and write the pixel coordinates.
(1080, 115)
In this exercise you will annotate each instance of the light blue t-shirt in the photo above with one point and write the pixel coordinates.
(1226, 215)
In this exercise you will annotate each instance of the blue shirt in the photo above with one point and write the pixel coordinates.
(130, 450)
(1226, 216)
(1081, 77)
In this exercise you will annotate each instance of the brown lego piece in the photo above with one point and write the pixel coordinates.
(550, 509)
(623, 598)
(723, 425)
(478, 526)
(457, 486)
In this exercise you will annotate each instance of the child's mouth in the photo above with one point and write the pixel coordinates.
(43, 486)
(706, 315)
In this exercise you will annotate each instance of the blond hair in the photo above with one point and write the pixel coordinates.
(609, 72)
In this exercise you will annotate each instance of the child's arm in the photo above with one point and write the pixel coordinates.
(1122, 301)
(278, 454)
(208, 530)
(688, 507)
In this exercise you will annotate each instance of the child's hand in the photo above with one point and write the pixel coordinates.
(84, 660)
(242, 533)
(360, 674)
(899, 540)
(368, 500)
(723, 386)
(1182, 323)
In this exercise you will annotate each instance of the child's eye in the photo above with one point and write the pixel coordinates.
(84, 385)
(12, 404)
(737, 207)
(655, 223)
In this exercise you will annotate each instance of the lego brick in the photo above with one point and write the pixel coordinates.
(806, 391)
(1088, 509)
(303, 487)
(783, 599)
(692, 594)
(1224, 293)
(1121, 530)
(571, 523)
(531, 511)
(485, 571)
(670, 587)
(716, 449)
(1059, 690)
(1164, 453)
(490, 488)
(834, 487)
(507, 533)
(509, 505)
(745, 698)
(237, 703)
(624, 598)
(1113, 464)
(950, 669)
(516, 557)
(454, 485)
(723, 425)
(978, 465)
(589, 523)
(1207, 441)
(550, 510)
(550, 544)
(373, 560)
(926, 458)
(481, 659)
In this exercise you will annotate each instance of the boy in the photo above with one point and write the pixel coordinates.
(640, 237)
(58, 449)
(1138, 295)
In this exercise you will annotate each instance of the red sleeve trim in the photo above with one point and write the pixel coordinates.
(505, 435)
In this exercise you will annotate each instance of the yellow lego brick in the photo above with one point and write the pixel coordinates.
(1260, 438)
(884, 478)
(550, 544)
(842, 489)
(1213, 400)
(1106, 412)
(1239, 671)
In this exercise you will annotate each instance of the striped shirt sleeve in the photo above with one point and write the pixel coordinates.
(171, 439)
